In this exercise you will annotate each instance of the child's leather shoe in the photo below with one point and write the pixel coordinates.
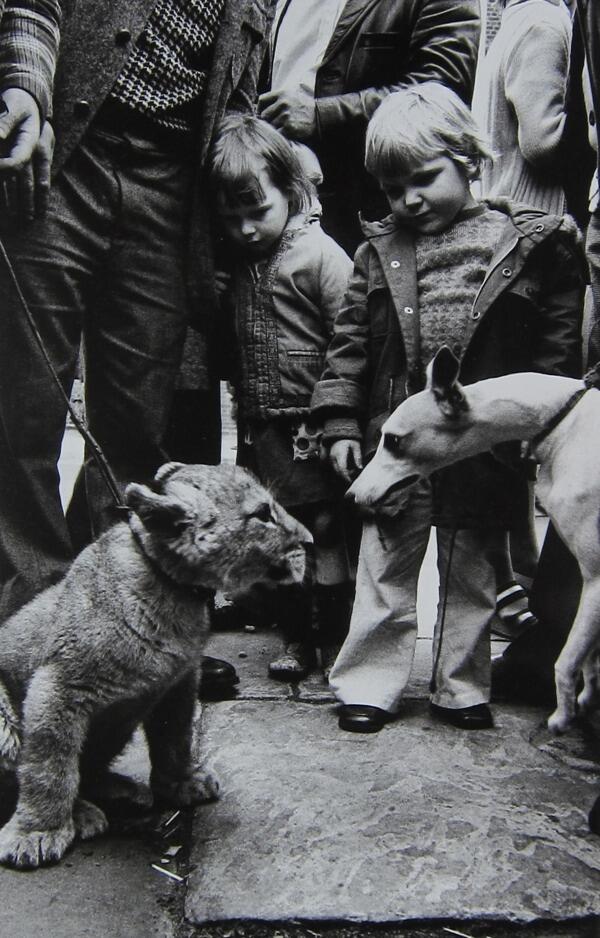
(362, 718)
(478, 717)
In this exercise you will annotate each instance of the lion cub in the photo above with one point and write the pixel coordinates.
(116, 644)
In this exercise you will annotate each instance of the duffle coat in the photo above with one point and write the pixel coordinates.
(526, 316)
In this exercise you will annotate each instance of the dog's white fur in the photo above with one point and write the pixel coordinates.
(447, 422)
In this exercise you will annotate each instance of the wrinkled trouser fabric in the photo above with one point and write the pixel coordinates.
(374, 663)
(103, 266)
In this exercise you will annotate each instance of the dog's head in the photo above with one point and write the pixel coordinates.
(216, 527)
(422, 435)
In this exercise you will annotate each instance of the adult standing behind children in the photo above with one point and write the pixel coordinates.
(520, 103)
(139, 87)
(503, 288)
(334, 61)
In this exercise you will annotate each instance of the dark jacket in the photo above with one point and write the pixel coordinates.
(526, 317)
(379, 46)
(284, 315)
(97, 37)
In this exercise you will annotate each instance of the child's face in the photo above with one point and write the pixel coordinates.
(256, 227)
(429, 198)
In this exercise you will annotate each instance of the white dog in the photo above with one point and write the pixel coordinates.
(560, 418)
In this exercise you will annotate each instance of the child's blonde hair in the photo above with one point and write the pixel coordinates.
(242, 142)
(421, 123)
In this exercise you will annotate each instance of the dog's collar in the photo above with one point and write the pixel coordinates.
(558, 416)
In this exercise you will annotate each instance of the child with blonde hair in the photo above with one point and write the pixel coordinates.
(286, 279)
(502, 286)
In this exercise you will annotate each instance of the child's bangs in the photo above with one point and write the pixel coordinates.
(239, 179)
(401, 154)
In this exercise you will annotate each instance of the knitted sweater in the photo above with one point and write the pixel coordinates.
(520, 101)
(451, 266)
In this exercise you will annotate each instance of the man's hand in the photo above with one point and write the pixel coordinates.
(294, 114)
(26, 151)
(20, 129)
(346, 458)
(222, 282)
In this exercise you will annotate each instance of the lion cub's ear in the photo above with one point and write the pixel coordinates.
(158, 513)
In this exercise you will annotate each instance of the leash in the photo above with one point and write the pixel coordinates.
(94, 447)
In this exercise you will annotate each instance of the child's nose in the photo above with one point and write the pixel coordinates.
(248, 228)
(412, 197)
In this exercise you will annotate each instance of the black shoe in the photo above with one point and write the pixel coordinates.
(361, 718)
(478, 717)
(514, 682)
(217, 679)
(594, 817)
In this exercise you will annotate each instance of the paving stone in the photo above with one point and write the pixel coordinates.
(418, 822)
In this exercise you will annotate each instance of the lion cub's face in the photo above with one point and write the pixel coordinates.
(217, 527)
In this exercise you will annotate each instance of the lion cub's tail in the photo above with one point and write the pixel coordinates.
(10, 737)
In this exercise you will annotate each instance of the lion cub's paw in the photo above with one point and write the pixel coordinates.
(200, 786)
(30, 849)
(90, 820)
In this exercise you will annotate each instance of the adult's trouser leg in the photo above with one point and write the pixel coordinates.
(51, 257)
(592, 250)
(135, 324)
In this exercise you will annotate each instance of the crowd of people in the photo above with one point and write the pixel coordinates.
(306, 198)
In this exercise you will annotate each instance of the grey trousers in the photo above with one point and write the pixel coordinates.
(374, 663)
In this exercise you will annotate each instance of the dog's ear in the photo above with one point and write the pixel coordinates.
(158, 513)
(442, 380)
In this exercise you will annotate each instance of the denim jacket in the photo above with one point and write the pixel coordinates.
(526, 317)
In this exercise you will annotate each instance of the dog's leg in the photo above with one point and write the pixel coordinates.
(42, 827)
(582, 639)
(174, 779)
(589, 696)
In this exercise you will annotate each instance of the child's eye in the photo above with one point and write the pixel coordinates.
(423, 179)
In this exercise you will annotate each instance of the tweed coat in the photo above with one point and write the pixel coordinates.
(29, 34)
(96, 39)
(97, 36)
